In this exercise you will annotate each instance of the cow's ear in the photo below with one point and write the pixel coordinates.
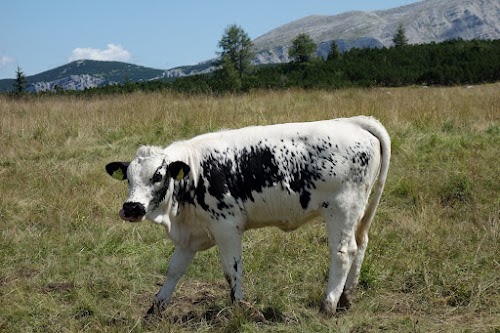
(178, 170)
(117, 170)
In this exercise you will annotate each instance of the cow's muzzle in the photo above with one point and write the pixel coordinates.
(132, 212)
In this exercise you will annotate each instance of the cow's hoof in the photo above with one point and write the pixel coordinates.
(327, 309)
(250, 310)
(345, 302)
(156, 310)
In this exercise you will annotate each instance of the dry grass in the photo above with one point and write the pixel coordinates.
(69, 264)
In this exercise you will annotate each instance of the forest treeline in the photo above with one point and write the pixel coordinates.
(455, 62)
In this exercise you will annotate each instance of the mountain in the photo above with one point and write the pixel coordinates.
(82, 74)
(424, 22)
(200, 68)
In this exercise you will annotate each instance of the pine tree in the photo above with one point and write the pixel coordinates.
(236, 48)
(20, 81)
(334, 53)
(302, 48)
(399, 38)
(229, 78)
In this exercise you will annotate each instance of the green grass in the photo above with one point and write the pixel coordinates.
(69, 264)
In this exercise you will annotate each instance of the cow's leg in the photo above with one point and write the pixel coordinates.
(340, 222)
(179, 263)
(228, 239)
(353, 276)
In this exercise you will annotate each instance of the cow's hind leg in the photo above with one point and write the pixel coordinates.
(341, 220)
(353, 276)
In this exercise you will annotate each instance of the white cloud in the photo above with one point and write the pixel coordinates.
(5, 61)
(113, 52)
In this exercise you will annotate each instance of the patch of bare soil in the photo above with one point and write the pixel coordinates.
(58, 287)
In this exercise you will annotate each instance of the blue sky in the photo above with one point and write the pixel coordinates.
(40, 35)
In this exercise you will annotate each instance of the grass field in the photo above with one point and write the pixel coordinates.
(69, 264)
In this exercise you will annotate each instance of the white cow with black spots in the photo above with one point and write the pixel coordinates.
(208, 190)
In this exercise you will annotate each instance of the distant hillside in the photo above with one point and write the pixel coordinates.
(424, 22)
(201, 68)
(82, 74)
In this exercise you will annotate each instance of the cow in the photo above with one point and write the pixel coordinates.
(208, 190)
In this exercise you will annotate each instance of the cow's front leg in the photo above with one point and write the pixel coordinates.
(228, 239)
(179, 263)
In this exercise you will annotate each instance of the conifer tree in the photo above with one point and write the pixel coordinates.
(334, 53)
(20, 81)
(302, 48)
(236, 50)
(399, 38)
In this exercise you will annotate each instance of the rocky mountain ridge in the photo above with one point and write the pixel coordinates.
(424, 22)
(83, 74)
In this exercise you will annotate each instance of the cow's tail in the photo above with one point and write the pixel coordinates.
(373, 126)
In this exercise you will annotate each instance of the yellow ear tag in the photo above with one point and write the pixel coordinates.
(180, 175)
(118, 174)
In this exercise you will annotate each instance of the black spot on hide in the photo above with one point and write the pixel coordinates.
(241, 173)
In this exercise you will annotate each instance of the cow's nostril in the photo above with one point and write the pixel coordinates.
(134, 209)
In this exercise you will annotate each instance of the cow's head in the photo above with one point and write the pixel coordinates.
(150, 178)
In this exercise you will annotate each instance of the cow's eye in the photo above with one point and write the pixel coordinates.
(156, 178)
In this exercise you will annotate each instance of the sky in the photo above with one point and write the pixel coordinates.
(39, 35)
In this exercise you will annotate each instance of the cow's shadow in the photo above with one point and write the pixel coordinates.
(200, 303)
(216, 314)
